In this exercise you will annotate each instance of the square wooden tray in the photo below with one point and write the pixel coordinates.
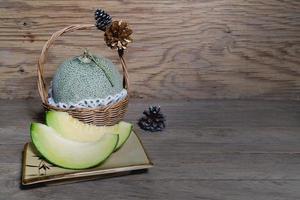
(131, 157)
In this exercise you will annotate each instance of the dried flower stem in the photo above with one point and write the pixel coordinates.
(91, 57)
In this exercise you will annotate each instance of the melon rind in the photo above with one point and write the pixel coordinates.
(75, 80)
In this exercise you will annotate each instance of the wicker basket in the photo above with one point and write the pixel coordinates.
(108, 115)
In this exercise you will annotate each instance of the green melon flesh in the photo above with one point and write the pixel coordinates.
(74, 129)
(68, 153)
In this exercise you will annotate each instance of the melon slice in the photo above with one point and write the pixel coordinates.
(74, 129)
(68, 153)
(123, 129)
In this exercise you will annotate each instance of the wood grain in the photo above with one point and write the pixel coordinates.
(220, 150)
(182, 49)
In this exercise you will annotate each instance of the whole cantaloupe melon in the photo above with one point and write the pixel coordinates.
(85, 77)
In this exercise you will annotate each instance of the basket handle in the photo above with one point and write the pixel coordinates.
(41, 62)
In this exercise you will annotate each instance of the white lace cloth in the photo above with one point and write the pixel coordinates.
(88, 103)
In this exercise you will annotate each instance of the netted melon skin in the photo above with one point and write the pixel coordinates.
(75, 80)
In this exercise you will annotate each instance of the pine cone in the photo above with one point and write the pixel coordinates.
(117, 35)
(153, 120)
(103, 20)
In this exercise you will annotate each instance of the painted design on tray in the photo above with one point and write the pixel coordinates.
(42, 167)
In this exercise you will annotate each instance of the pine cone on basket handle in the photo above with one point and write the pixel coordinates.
(117, 33)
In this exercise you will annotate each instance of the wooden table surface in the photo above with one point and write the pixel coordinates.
(215, 150)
